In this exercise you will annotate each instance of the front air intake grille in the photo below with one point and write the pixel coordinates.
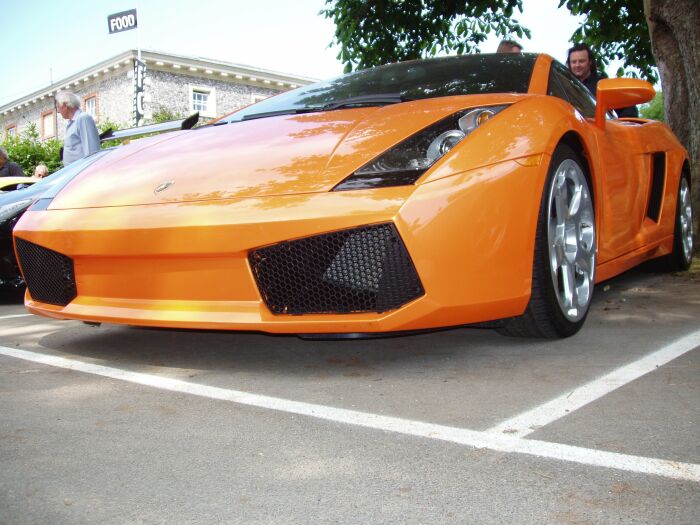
(365, 269)
(49, 275)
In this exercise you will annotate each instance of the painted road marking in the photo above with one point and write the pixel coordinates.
(470, 438)
(14, 316)
(532, 420)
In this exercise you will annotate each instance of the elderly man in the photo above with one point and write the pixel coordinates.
(7, 167)
(41, 171)
(82, 138)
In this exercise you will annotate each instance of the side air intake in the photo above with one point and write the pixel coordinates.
(658, 180)
(366, 269)
(49, 275)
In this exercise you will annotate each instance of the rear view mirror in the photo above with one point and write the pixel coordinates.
(613, 93)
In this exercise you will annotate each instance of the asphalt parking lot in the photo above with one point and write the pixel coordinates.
(118, 424)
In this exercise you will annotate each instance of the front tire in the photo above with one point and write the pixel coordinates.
(564, 261)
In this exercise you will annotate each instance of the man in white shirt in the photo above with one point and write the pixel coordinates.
(82, 138)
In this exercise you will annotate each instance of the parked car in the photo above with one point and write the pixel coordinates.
(14, 183)
(481, 189)
(14, 203)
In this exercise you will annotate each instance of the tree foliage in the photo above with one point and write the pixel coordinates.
(654, 109)
(374, 32)
(108, 124)
(29, 151)
(617, 30)
(163, 114)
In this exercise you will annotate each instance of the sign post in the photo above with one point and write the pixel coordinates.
(139, 76)
(125, 21)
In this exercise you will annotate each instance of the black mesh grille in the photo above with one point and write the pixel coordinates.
(49, 275)
(364, 269)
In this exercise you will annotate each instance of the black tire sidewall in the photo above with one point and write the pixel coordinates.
(542, 274)
(679, 260)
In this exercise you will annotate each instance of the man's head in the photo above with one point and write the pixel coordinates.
(67, 104)
(509, 46)
(581, 61)
(3, 157)
(41, 171)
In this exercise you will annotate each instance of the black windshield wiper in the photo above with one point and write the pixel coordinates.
(377, 99)
(297, 111)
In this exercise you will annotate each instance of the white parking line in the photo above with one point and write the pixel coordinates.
(530, 421)
(13, 316)
(471, 438)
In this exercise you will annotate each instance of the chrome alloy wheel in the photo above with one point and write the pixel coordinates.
(685, 216)
(571, 239)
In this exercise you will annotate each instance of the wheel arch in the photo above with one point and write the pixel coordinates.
(685, 172)
(572, 139)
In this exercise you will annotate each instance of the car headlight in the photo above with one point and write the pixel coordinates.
(407, 161)
(8, 211)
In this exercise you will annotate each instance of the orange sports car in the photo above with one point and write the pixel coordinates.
(486, 189)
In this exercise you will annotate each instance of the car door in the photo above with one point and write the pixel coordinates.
(619, 164)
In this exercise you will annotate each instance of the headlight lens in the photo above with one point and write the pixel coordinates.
(407, 161)
(10, 210)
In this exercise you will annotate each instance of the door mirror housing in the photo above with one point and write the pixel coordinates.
(613, 93)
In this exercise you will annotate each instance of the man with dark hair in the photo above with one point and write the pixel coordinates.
(582, 63)
(7, 167)
(509, 46)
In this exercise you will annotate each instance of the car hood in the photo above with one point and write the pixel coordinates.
(279, 155)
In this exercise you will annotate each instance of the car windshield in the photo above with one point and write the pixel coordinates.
(412, 80)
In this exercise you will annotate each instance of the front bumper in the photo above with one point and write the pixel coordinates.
(186, 265)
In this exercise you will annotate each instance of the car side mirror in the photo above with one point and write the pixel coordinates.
(613, 93)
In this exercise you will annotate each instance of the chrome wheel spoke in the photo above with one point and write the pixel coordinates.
(584, 266)
(561, 199)
(685, 215)
(568, 285)
(571, 236)
(575, 204)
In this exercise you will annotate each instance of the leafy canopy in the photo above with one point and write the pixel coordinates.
(29, 151)
(617, 30)
(654, 109)
(374, 32)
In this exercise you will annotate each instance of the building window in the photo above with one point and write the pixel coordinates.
(11, 130)
(199, 101)
(47, 129)
(203, 100)
(90, 105)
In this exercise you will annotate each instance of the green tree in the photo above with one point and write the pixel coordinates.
(29, 151)
(642, 33)
(654, 109)
(616, 30)
(163, 114)
(374, 32)
(107, 124)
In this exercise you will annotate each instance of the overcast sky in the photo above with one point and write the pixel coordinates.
(53, 39)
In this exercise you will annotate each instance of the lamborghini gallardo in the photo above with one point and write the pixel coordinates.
(487, 190)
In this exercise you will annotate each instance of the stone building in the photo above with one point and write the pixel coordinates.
(178, 84)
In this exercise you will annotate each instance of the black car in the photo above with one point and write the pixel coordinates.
(14, 203)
